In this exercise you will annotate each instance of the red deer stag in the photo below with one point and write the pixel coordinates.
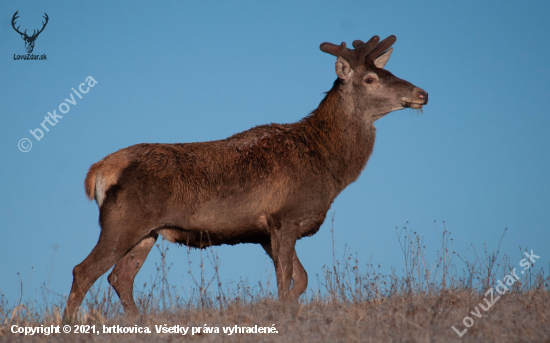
(270, 185)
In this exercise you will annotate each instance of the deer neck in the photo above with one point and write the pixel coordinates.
(343, 138)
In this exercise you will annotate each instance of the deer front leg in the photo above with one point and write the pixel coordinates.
(299, 274)
(283, 240)
(299, 278)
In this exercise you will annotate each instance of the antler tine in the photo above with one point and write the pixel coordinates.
(363, 49)
(337, 50)
(382, 47)
(357, 43)
(342, 51)
(13, 23)
(14, 17)
(330, 48)
(43, 24)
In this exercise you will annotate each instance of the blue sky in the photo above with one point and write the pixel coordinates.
(477, 158)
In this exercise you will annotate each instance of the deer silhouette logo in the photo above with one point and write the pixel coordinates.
(29, 41)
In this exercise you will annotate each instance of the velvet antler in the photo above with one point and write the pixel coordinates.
(355, 57)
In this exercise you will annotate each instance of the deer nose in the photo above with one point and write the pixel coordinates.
(422, 95)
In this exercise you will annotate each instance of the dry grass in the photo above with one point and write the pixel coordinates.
(352, 305)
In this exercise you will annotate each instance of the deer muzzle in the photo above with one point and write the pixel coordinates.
(418, 99)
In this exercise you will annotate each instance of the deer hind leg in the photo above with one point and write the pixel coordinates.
(123, 274)
(114, 242)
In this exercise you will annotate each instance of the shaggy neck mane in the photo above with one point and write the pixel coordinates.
(343, 140)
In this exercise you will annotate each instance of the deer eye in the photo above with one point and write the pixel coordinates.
(369, 80)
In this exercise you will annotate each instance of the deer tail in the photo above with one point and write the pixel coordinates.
(90, 182)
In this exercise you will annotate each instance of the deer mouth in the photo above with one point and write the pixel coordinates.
(408, 103)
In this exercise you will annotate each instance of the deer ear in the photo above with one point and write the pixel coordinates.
(343, 69)
(381, 60)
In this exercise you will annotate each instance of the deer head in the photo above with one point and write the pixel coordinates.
(371, 91)
(29, 41)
